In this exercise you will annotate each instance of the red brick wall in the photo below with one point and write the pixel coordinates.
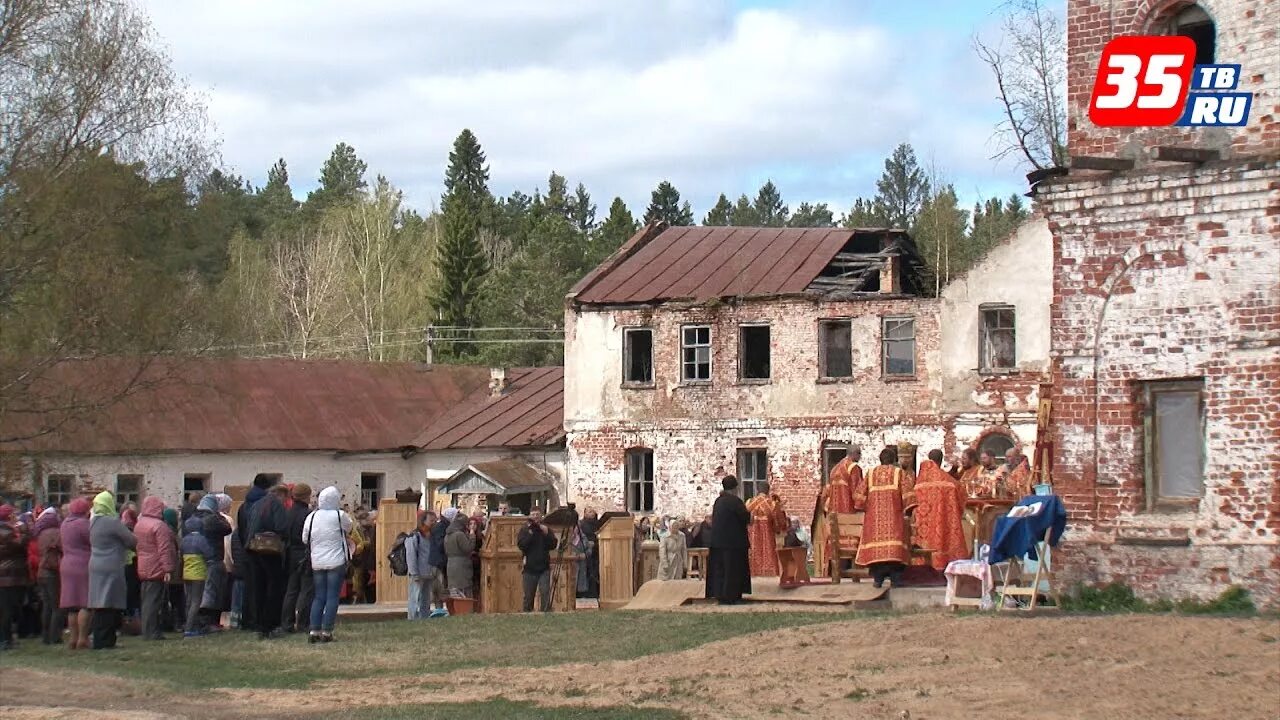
(1165, 276)
(1247, 35)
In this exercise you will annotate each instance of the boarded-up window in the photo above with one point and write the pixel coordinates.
(753, 352)
(639, 480)
(1174, 441)
(836, 350)
(753, 471)
(637, 356)
(899, 346)
(128, 490)
(997, 349)
(695, 347)
(59, 489)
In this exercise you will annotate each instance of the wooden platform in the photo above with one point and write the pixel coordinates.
(669, 594)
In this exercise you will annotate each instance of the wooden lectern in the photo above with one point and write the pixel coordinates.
(502, 564)
(616, 537)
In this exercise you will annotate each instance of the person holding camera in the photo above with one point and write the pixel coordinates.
(536, 541)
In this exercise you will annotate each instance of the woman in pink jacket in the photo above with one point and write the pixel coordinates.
(73, 573)
(156, 563)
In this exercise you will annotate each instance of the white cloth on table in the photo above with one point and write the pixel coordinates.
(971, 568)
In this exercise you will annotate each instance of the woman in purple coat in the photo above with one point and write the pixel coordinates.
(73, 572)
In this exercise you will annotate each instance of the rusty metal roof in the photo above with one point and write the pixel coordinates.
(215, 404)
(702, 263)
(529, 413)
(509, 477)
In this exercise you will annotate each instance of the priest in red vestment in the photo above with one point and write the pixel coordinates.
(939, 513)
(767, 520)
(884, 494)
(836, 497)
(1016, 474)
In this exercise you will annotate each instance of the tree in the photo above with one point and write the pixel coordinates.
(224, 203)
(665, 205)
(617, 228)
(993, 221)
(939, 232)
(460, 257)
(864, 214)
(582, 212)
(307, 276)
(769, 209)
(744, 213)
(557, 200)
(812, 216)
(1030, 74)
(718, 215)
(275, 199)
(902, 188)
(90, 98)
(341, 179)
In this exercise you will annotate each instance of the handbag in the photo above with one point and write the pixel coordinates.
(265, 542)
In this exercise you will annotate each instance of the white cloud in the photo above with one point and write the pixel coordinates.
(617, 94)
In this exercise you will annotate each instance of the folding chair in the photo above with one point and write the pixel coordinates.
(1016, 570)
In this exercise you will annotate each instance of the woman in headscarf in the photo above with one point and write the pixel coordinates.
(110, 543)
(14, 574)
(73, 572)
(133, 586)
(157, 563)
(49, 548)
(458, 545)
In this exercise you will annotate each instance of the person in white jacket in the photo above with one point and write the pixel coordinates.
(326, 531)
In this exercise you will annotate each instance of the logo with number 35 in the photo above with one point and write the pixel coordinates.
(1147, 81)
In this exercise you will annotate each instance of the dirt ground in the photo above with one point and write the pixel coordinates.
(929, 665)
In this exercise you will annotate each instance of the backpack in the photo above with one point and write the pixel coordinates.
(399, 556)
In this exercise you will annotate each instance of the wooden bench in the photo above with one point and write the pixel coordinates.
(845, 531)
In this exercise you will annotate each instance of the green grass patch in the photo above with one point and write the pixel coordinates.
(1120, 598)
(368, 649)
(501, 709)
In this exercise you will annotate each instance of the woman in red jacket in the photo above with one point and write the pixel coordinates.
(156, 564)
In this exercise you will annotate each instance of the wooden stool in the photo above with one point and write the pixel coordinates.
(792, 563)
(695, 564)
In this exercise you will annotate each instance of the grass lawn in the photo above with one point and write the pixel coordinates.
(363, 649)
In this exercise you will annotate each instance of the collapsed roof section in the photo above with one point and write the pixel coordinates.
(701, 264)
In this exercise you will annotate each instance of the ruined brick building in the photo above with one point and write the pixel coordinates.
(698, 351)
(1166, 319)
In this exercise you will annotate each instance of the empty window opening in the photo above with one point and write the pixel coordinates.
(832, 454)
(1195, 23)
(753, 352)
(753, 471)
(639, 480)
(997, 348)
(836, 349)
(899, 341)
(371, 489)
(195, 482)
(59, 489)
(1173, 427)
(996, 445)
(695, 352)
(637, 356)
(128, 490)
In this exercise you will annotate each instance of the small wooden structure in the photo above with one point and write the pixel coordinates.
(521, 485)
(846, 529)
(616, 545)
(1015, 572)
(646, 563)
(696, 563)
(393, 518)
(792, 564)
(502, 564)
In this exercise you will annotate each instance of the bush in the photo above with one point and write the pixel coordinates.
(1118, 597)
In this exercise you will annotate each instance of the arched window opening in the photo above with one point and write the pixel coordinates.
(1193, 22)
(997, 445)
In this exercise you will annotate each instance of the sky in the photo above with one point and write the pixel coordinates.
(713, 95)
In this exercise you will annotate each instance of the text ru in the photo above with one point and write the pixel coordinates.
(1217, 109)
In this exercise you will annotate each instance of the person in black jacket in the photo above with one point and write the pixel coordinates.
(728, 573)
(263, 512)
(217, 583)
(536, 541)
(296, 614)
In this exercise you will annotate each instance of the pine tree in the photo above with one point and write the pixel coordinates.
(275, 199)
(665, 205)
(812, 216)
(617, 228)
(940, 236)
(902, 189)
(770, 211)
(743, 213)
(341, 179)
(582, 212)
(557, 199)
(461, 260)
(718, 215)
(863, 214)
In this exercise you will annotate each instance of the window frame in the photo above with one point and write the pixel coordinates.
(626, 357)
(884, 347)
(760, 470)
(138, 494)
(684, 378)
(830, 447)
(1148, 394)
(379, 480)
(823, 326)
(66, 495)
(648, 477)
(206, 480)
(984, 354)
(768, 378)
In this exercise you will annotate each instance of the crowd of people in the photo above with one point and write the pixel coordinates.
(82, 573)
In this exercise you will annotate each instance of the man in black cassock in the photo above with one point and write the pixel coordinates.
(728, 574)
